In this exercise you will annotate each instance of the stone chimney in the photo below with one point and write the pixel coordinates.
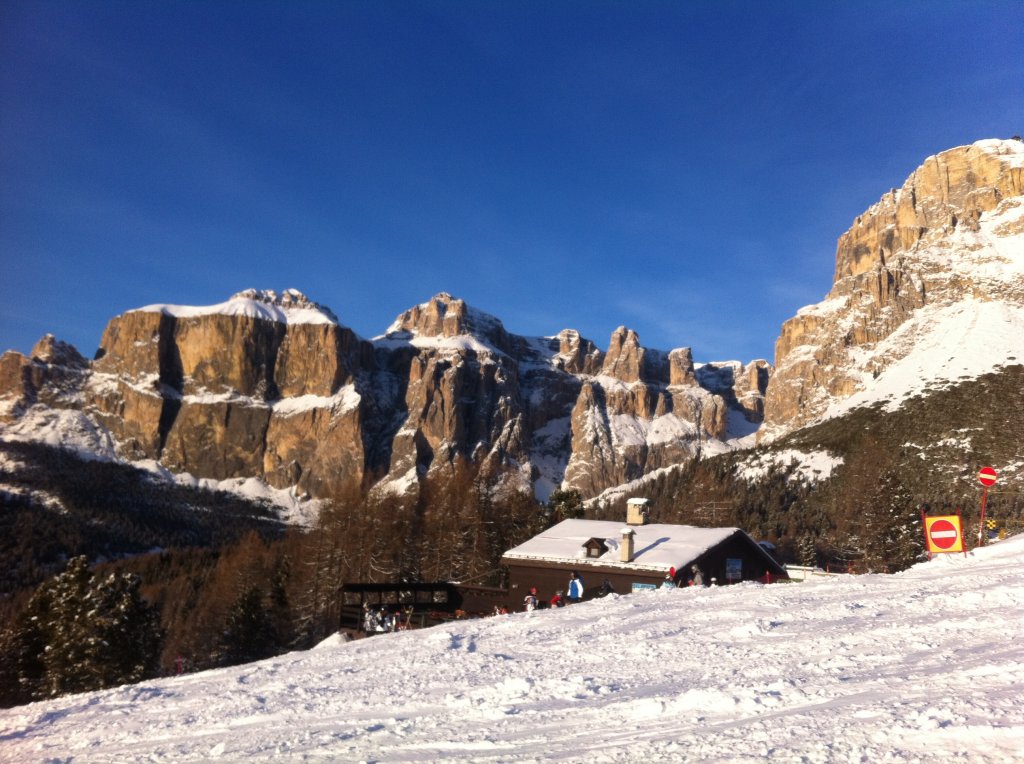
(626, 548)
(637, 511)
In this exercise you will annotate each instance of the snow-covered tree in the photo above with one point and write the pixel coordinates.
(807, 551)
(79, 634)
(892, 535)
(566, 504)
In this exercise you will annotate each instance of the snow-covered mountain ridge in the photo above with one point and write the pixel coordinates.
(921, 666)
(273, 387)
(928, 291)
(289, 307)
(929, 286)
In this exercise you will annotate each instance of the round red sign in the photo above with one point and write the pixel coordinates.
(943, 534)
(987, 476)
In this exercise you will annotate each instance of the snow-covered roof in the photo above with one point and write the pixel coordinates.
(656, 546)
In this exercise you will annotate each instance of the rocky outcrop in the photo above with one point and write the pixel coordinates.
(625, 357)
(53, 375)
(244, 388)
(942, 238)
(272, 386)
(449, 317)
(949, 190)
(742, 386)
(577, 355)
(648, 410)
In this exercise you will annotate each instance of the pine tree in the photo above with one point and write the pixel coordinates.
(77, 634)
(127, 631)
(23, 649)
(566, 505)
(808, 554)
(892, 531)
(249, 630)
(71, 642)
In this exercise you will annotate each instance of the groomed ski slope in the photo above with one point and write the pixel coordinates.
(927, 665)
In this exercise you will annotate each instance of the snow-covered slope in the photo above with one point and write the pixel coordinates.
(922, 666)
(941, 346)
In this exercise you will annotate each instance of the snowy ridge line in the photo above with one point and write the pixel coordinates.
(291, 307)
(63, 428)
(291, 508)
(921, 666)
(459, 343)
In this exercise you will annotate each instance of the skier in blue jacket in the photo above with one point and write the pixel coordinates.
(575, 592)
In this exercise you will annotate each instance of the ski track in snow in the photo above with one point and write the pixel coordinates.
(921, 666)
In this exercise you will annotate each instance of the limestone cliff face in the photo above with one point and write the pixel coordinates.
(457, 372)
(577, 355)
(648, 410)
(53, 375)
(949, 190)
(257, 386)
(941, 238)
(273, 387)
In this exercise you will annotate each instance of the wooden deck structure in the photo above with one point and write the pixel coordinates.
(421, 604)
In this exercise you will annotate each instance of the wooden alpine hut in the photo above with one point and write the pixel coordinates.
(637, 555)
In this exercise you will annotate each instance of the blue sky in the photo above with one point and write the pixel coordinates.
(683, 169)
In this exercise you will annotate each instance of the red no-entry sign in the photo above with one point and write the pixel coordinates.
(943, 534)
(987, 476)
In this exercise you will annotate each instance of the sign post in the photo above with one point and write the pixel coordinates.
(987, 477)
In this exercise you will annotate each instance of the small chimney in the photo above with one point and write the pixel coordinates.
(626, 549)
(637, 511)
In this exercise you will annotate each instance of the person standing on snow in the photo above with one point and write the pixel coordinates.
(575, 593)
(557, 600)
(369, 619)
(530, 600)
(697, 577)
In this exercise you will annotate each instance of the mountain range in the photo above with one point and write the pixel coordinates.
(272, 389)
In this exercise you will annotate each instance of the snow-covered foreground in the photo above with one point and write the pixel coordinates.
(927, 665)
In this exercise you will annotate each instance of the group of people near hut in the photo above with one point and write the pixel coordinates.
(695, 577)
(572, 593)
(381, 620)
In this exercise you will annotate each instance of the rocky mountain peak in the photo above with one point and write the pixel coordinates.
(949, 190)
(289, 299)
(923, 260)
(625, 357)
(440, 316)
(576, 354)
(289, 307)
(444, 316)
(53, 351)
